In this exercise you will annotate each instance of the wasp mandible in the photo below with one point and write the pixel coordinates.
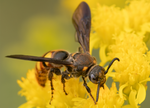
(76, 64)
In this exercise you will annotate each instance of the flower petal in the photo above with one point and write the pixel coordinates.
(127, 106)
(121, 89)
(141, 95)
(132, 99)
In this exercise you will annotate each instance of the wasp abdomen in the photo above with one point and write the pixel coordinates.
(41, 73)
(42, 68)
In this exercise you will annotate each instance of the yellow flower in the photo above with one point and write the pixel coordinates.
(121, 33)
(110, 20)
(108, 98)
(138, 13)
(106, 21)
(133, 70)
(137, 18)
(39, 97)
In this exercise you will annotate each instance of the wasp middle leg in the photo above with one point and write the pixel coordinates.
(50, 77)
(65, 75)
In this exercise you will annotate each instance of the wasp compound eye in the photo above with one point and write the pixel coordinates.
(93, 78)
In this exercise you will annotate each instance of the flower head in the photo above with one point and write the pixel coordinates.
(106, 22)
(126, 43)
(133, 70)
(39, 97)
(108, 98)
(110, 20)
(139, 17)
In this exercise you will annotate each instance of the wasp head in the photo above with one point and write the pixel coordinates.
(97, 75)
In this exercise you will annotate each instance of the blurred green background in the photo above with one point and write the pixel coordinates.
(34, 27)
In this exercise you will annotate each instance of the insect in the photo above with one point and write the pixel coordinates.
(76, 64)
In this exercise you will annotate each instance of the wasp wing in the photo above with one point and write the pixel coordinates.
(82, 23)
(41, 59)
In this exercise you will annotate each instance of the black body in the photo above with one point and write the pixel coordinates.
(77, 64)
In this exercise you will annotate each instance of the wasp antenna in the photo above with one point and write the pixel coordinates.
(41, 59)
(9, 56)
(24, 57)
(97, 95)
(111, 64)
(12, 56)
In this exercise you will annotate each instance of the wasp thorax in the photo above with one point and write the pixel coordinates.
(97, 74)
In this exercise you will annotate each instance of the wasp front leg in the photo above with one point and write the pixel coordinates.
(50, 77)
(65, 75)
(88, 89)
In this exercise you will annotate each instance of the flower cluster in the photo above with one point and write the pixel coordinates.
(133, 70)
(39, 97)
(122, 33)
(109, 20)
(108, 98)
(104, 25)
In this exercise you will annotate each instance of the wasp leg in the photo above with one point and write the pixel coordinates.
(65, 75)
(88, 89)
(50, 77)
(57, 71)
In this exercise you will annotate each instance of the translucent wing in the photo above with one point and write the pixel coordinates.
(82, 23)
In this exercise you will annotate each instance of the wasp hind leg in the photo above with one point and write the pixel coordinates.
(65, 75)
(88, 89)
(50, 77)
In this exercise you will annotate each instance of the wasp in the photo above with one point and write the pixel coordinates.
(80, 64)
